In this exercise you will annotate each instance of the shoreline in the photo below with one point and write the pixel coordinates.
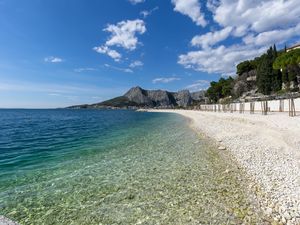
(266, 147)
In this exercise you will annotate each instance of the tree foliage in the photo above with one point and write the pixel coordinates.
(244, 67)
(271, 69)
(220, 89)
(268, 79)
(288, 62)
(287, 59)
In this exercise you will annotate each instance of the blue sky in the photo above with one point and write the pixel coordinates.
(60, 52)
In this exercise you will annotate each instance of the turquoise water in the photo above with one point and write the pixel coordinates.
(114, 167)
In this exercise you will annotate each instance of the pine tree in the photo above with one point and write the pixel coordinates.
(277, 76)
(263, 73)
(274, 52)
(269, 80)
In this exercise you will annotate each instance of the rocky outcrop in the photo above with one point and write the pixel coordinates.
(137, 97)
(199, 96)
(183, 98)
(244, 84)
(161, 98)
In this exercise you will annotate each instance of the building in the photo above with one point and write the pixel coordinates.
(297, 46)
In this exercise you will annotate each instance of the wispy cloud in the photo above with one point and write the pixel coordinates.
(165, 80)
(125, 70)
(198, 85)
(97, 97)
(85, 69)
(136, 63)
(52, 59)
(134, 2)
(50, 89)
(146, 13)
(110, 52)
(66, 96)
(54, 94)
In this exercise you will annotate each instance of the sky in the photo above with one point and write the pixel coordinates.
(57, 53)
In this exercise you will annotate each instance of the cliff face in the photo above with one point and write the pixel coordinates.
(183, 98)
(159, 98)
(138, 97)
(198, 96)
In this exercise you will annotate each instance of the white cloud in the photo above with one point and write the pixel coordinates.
(212, 4)
(165, 80)
(53, 59)
(134, 2)
(198, 85)
(146, 13)
(124, 33)
(192, 9)
(220, 59)
(253, 25)
(257, 15)
(136, 63)
(110, 52)
(211, 38)
(272, 37)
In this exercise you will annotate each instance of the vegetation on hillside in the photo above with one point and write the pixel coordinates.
(118, 102)
(268, 79)
(220, 89)
(270, 73)
(289, 62)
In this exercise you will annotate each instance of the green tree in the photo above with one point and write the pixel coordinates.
(227, 86)
(264, 72)
(288, 62)
(277, 75)
(220, 89)
(269, 79)
(244, 67)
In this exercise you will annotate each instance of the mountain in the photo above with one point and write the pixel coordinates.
(137, 97)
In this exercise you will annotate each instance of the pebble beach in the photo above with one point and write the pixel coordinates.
(267, 148)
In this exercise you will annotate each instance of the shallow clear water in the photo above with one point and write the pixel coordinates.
(114, 167)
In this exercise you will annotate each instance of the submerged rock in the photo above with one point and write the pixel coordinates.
(221, 148)
(5, 221)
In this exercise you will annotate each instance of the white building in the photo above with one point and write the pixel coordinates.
(297, 46)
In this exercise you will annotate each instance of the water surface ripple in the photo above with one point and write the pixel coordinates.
(114, 167)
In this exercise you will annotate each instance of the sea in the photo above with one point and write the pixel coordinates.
(63, 166)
